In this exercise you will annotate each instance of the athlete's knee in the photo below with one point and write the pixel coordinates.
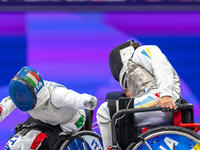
(15, 143)
(103, 114)
(30, 140)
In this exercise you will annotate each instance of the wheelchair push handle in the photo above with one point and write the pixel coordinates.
(137, 110)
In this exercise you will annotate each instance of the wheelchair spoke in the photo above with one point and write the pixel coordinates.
(145, 142)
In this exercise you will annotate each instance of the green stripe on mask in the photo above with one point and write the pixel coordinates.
(30, 80)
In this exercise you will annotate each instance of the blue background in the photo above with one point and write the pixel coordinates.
(72, 48)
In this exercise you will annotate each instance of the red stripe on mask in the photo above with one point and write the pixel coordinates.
(35, 75)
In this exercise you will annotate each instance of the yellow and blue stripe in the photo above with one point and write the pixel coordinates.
(147, 53)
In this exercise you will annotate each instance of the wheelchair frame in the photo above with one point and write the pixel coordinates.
(177, 120)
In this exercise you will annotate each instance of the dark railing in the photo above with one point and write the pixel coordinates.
(100, 5)
(137, 110)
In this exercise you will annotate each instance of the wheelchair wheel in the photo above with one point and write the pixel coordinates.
(167, 138)
(83, 140)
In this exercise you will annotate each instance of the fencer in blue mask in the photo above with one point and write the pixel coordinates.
(46, 102)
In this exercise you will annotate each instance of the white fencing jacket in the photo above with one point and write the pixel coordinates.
(148, 65)
(57, 105)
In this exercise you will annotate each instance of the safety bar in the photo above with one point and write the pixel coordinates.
(137, 110)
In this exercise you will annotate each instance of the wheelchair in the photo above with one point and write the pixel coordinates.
(182, 135)
(85, 139)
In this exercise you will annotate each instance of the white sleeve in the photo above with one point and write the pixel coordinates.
(152, 59)
(65, 97)
(6, 107)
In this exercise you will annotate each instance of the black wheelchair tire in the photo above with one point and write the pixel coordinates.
(80, 133)
(164, 130)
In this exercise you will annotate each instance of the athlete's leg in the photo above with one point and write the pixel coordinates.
(104, 121)
(31, 140)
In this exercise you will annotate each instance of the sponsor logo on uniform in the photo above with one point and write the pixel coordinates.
(11, 143)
